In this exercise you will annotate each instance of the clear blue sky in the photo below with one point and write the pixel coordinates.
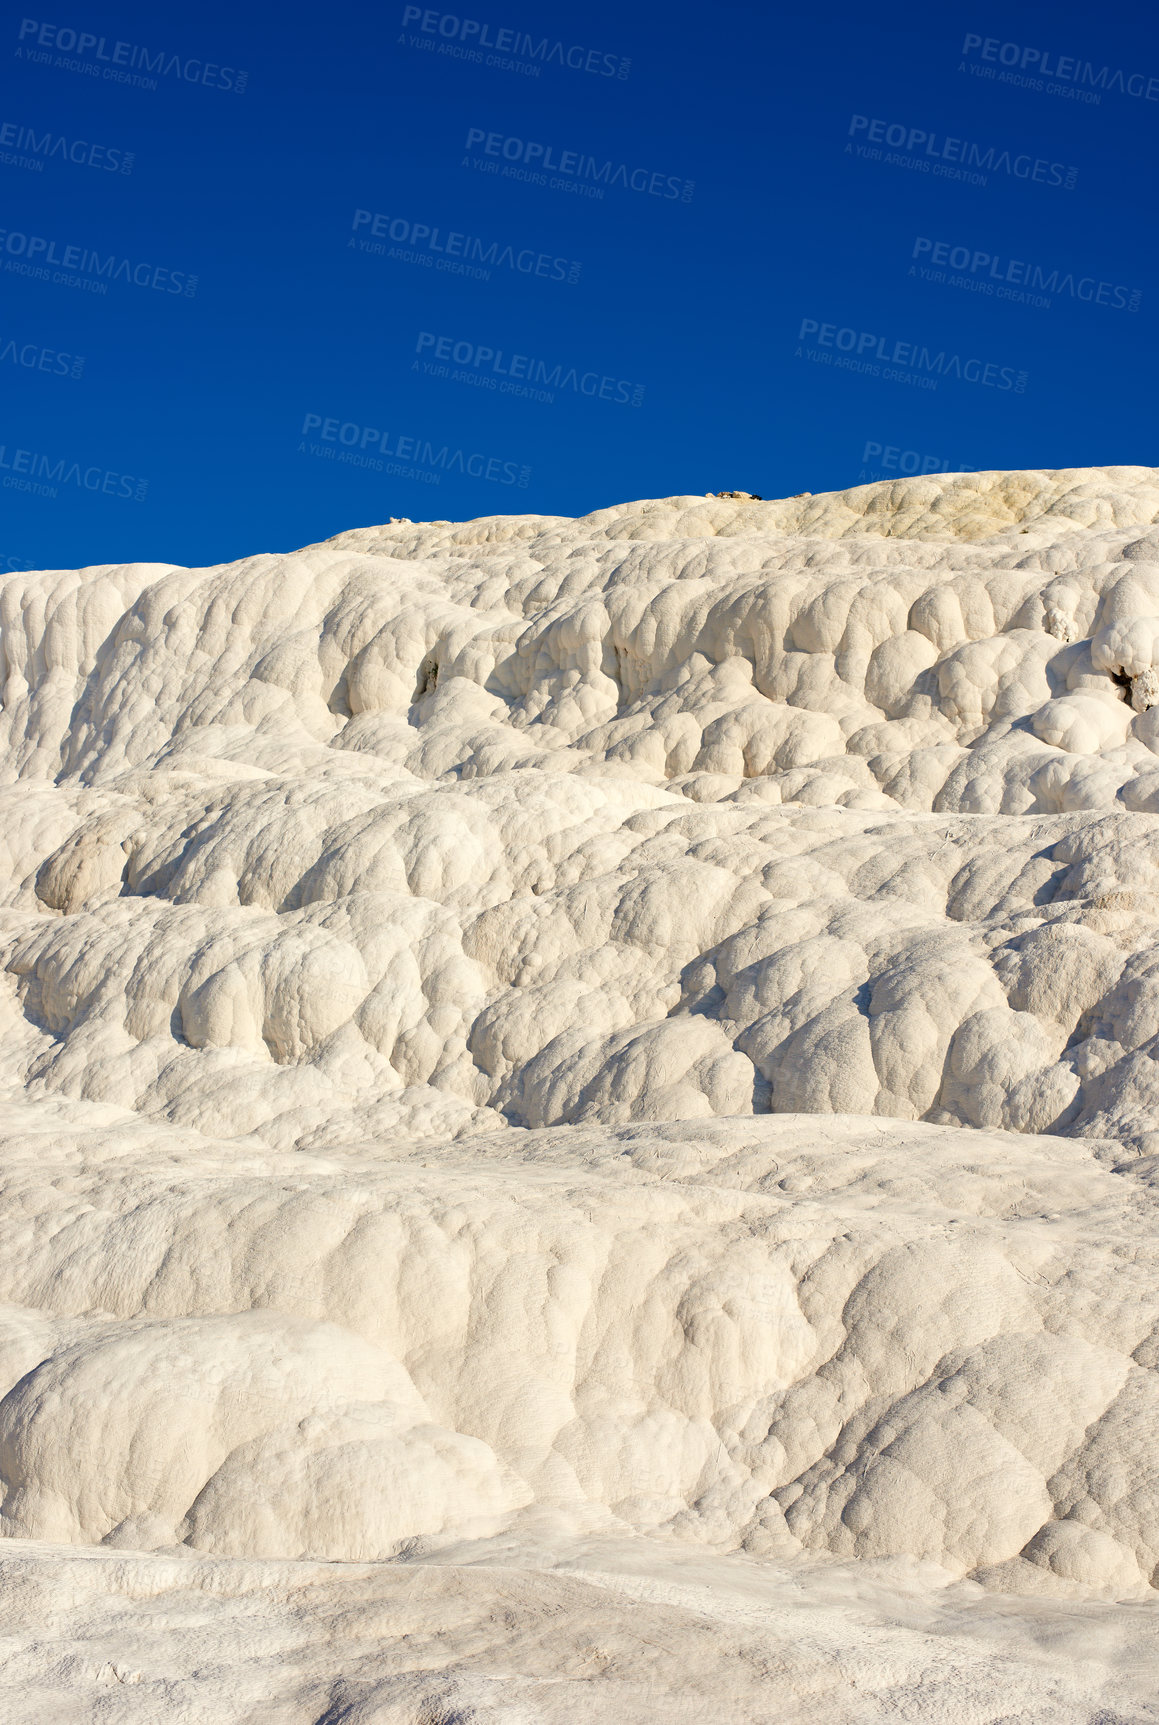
(385, 226)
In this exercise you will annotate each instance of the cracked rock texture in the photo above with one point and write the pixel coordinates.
(636, 1029)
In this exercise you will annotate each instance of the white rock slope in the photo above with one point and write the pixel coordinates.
(427, 958)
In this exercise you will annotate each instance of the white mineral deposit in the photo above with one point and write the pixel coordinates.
(580, 1132)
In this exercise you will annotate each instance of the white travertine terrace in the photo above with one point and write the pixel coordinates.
(635, 1033)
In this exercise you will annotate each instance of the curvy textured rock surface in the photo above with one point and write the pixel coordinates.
(428, 957)
(614, 1635)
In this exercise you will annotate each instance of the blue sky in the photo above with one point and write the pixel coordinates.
(547, 258)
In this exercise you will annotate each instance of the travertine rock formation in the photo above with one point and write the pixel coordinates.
(490, 1015)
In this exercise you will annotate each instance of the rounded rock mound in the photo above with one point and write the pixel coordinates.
(643, 1027)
